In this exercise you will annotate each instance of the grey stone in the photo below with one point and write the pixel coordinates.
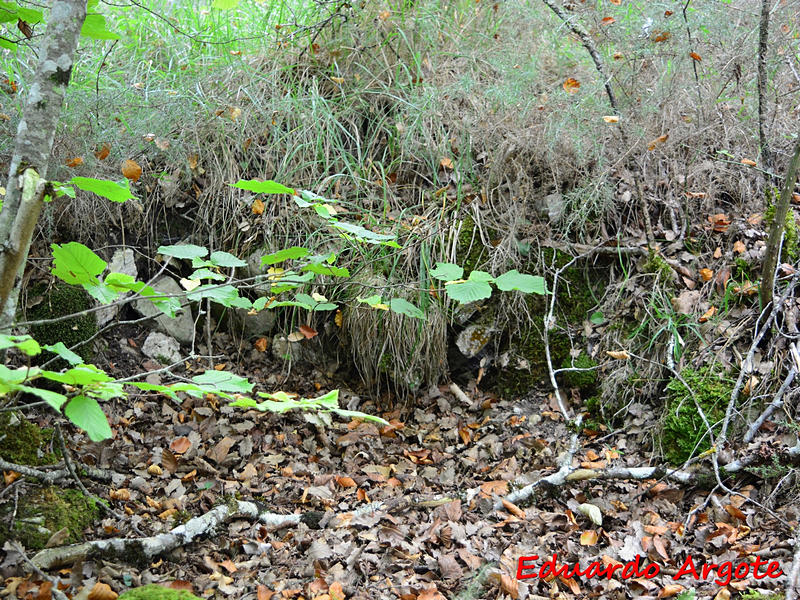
(162, 348)
(255, 325)
(182, 326)
(121, 262)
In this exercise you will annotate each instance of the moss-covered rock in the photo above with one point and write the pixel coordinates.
(585, 381)
(156, 592)
(683, 433)
(58, 301)
(24, 443)
(45, 511)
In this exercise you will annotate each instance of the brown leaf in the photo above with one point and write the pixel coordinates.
(261, 344)
(498, 487)
(102, 591)
(508, 585)
(706, 274)
(446, 163)
(193, 159)
(611, 119)
(607, 20)
(335, 591)
(24, 28)
(718, 252)
(618, 354)
(264, 593)
(735, 512)
(658, 141)
(123, 495)
(695, 56)
(308, 332)
(571, 85)
(739, 247)
(169, 461)
(660, 36)
(719, 222)
(748, 162)
(708, 314)
(258, 206)
(220, 451)
(58, 538)
(102, 152)
(131, 170)
(670, 590)
(513, 509)
(180, 445)
(338, 318)
(74, 162)
(346, 482)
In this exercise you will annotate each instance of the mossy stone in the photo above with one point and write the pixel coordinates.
(156, 592)
(683, 433)
(45, 511)
(61, 300)
(24, 443)
(585, 381)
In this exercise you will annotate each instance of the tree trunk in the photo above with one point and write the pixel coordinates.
(776, 229)
(33, 146)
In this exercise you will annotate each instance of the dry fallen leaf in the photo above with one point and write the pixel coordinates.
(618, 354)
(748, 162)
(74, 162)
(131, 170)
(670, 590)
(446, 163)
(258, 206)
(102, 591)
(261, 344)
(611, 119)
(607, 20)
(589, 537)
(308, 332)
(295, 336)
(180, 445)
(102, 152)
(571, 85)
(695, 56)
(706, 274)
(708, 314)
(739, 247)
(658, 141)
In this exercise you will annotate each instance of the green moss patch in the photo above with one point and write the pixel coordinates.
(684, 434)
(24, 443)
(156, 592)
(585, 381)
(45, 511)
(59, 301)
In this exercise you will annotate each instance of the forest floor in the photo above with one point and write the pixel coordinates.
(405, 511)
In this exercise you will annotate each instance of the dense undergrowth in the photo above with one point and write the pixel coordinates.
(475, 131)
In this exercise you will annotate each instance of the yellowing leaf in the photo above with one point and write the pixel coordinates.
(74, 162)
(571, 85)
(102, 152)
(258, 206)
(189, 284)
(706, 274)
(339, 80)
(658, 141)
(618, 354)
(295, 336)
(318, 297)
(611, 119)
(748, 162)
(589, 538)
(708, 314)
(446, 163)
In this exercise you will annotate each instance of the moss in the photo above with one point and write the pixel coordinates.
(156, 592)
(585, 381)
(46, 511)
(656, 264)
(518, 382)
(790, 237)
(683, 433)
(24, 443)
(470, 250)
(59, 301)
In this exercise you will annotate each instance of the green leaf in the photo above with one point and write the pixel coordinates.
(23, 343)
(76, 264)
(225, 259)
(95, 27)
(355, 414)
(225, 4)
(223, 381)
(101, 292)
(469, 291)
(404, 307)
(86, 413)
(54, 399)
(79, 376)
(285, 254)
(326, 270)
(447, 272)
(373, 300)
(116, 192)
(361, 233)
(480, 276)
(514, 280)
(227, 295)
(207, 274)
(263, 187)
(597, 317)
(183, 251)
(65, 353)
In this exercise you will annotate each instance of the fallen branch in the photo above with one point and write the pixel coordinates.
(51, 477)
